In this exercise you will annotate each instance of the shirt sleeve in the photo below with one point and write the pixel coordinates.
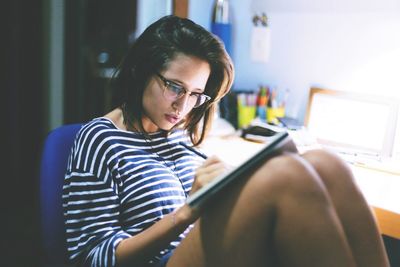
(91, 211)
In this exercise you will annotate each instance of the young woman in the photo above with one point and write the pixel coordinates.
(130, 172)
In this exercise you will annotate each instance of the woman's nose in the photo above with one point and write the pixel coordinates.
(181, 103)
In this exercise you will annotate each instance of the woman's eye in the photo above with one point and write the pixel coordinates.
(175, 88)
(195, 94)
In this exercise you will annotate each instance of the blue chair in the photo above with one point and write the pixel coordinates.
(53, 166)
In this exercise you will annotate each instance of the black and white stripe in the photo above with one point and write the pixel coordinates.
(119, 183)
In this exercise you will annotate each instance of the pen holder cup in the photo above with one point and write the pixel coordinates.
(245, 115)
(274, 113)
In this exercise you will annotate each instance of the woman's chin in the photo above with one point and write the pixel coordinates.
(170, 126)
(166, 127)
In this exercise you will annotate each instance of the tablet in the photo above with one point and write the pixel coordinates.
(281, 142)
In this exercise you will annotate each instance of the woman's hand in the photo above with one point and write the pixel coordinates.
(210, 169)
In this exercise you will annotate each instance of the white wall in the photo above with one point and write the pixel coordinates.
(343, 45)
(200, 11)
(351, 45)
(149, 11)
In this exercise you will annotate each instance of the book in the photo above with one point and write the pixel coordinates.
(279, 143)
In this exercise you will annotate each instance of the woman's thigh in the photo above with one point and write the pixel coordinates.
(238, 228)
(228, 222)
(351, 207)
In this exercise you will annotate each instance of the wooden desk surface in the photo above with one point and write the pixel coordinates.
(388, 222)
(381, 189)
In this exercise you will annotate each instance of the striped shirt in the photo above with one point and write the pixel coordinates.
(118, 183)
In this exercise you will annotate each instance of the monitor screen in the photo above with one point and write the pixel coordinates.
(354, 122)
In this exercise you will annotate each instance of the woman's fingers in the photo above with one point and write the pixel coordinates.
(211, 160)
(206, 175)
(204, 170)
(211, 168)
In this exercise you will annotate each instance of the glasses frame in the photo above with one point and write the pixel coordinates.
(201, 98)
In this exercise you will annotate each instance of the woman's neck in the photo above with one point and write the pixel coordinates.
(117, 117)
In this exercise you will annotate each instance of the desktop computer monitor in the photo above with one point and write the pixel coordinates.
(354, 123)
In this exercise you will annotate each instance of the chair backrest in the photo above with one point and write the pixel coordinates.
(54, 160)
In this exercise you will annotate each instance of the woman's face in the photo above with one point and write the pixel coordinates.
(161, 111)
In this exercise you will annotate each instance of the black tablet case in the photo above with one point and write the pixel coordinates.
(279, 143)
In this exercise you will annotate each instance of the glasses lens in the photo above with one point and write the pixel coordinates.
(201, 99)
(173, 91)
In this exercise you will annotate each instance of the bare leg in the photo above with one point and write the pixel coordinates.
(353, 211)
(281, 215)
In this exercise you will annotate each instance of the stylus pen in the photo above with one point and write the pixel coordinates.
(194, 150)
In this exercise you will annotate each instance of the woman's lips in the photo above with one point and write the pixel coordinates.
(172, 118)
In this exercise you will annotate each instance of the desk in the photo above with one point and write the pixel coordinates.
(382, 192)
(381, 189)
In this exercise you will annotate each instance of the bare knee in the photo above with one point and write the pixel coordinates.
(333, 171)
(278, 191)
(287, 176)
(324, 159)
(281, 180)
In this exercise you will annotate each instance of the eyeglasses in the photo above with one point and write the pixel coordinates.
(173, 91)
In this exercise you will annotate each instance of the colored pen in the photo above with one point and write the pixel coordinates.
(193, 150)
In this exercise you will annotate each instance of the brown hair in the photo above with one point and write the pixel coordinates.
(158, 45)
